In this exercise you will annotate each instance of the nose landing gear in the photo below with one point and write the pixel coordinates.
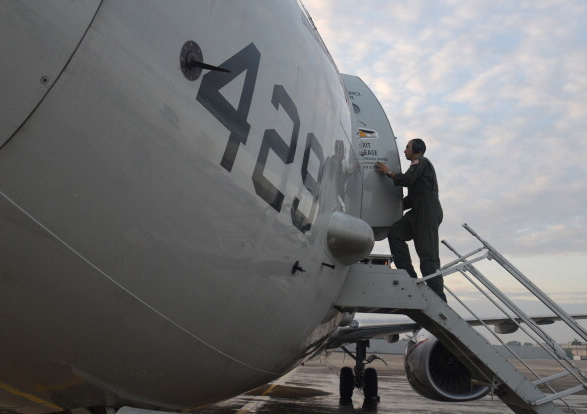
(359, 377)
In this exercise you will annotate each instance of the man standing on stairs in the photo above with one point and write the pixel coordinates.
(422, 221)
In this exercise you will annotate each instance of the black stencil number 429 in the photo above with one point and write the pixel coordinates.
(235, 120)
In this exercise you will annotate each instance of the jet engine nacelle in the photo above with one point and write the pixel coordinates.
(437, 374)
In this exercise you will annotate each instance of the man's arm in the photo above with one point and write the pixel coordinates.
(412, 175)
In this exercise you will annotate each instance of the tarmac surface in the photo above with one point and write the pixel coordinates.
(313, 388)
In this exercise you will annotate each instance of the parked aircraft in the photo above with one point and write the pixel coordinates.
(180, 199)
(183, 186)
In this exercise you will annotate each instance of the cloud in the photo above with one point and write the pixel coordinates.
(499, 91)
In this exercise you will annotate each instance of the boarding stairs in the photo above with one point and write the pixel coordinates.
(379, 289)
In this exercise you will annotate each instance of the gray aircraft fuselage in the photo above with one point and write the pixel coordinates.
(150, 222)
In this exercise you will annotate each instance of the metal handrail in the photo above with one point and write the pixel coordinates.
(463, 265)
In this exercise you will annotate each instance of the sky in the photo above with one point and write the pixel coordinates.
(498, 91)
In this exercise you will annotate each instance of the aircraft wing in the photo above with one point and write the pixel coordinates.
(503, 325)
(369, 326)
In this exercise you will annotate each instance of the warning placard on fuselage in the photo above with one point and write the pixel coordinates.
(369, 148)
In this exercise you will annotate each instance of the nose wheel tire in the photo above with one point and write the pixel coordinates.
(347, 385)
(370, 386)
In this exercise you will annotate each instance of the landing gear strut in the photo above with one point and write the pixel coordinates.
(359, 377)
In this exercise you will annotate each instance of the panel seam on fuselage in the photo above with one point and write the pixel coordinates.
(75, 252)
(56, 79)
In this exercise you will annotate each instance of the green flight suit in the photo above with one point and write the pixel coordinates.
(420, 223)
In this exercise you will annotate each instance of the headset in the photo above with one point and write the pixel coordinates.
(418, 146)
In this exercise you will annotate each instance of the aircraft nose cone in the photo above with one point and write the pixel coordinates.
(349, 238)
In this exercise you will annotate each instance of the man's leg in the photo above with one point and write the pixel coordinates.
(398, 234)
(437, 283)
(427, 247)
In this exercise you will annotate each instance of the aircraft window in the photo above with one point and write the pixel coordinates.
(382, 261)
(379, 261)
(356, 109)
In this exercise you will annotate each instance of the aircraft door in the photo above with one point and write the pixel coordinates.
(374, 141)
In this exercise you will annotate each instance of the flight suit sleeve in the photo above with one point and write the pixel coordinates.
(412, 175)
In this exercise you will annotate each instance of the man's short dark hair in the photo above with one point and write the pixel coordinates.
(418, 146)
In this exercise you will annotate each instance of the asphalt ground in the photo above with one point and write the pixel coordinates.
(313, 388)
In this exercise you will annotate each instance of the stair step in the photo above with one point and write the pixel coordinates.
(551, 377)
(558, 395)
